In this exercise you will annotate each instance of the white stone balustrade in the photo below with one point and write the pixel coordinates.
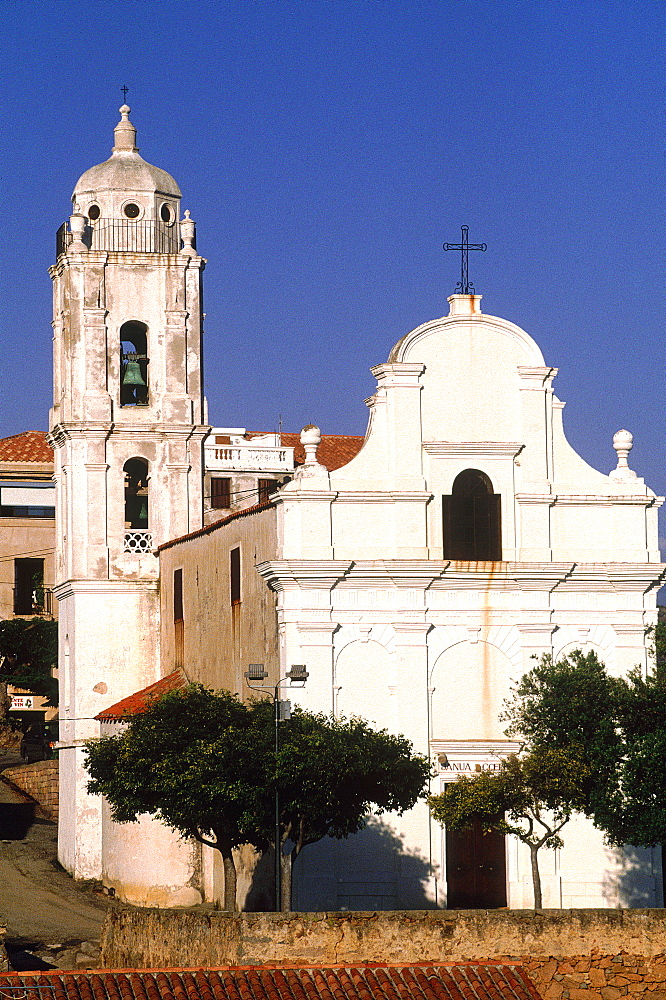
(241, 458)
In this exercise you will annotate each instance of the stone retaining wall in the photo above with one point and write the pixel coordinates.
(40, 782)
(4, 961)
(570, 954)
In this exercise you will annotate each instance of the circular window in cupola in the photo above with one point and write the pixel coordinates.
(131, 210)
(94, 213)
(167, 214)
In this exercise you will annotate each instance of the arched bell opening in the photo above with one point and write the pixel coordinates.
(134, 364)
(136, 494)
(472, 515)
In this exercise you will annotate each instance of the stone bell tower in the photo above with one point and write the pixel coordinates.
(127, 430)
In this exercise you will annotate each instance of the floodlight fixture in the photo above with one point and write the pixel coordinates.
(256, 672)
(298, 673)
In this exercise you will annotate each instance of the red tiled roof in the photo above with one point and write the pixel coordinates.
(30, 446)
(334, 451)
(462, 981)
(141, 700)
(208, 528)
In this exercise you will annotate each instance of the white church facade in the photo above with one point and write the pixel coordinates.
(416, 582)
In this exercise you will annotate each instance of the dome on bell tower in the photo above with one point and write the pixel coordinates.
(125, 186)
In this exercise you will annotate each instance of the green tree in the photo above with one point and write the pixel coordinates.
(531, 796)
(332, 774)
(189, 760)
(618, 727)
(28, 654)
(570, 704)
(205, 764)
(636, 811)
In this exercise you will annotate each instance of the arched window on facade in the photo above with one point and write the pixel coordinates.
(133, 364)
(472, 519)
(136, 496)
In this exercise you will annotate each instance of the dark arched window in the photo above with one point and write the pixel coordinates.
(472, 519)
(133, 364)
(136, 493)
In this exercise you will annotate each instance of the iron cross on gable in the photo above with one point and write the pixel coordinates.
(464, 287)
(124, 90)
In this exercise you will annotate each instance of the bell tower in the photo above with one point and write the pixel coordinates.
(127, 428)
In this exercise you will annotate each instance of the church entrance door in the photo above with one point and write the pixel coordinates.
(475, 869)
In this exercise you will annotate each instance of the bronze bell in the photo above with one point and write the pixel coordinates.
(143, 512)
(133, 374)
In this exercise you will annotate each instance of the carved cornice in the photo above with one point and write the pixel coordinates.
(422, 574)
(380, 496)
(69, 588)
(463, 449)
(302, 574)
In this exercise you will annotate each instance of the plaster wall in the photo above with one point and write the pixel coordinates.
(95, 293)
(23, 538)
(103, 657)
(221, 639)
(173, 875)
(468, 391)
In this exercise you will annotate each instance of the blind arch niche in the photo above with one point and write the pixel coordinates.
(472, 515)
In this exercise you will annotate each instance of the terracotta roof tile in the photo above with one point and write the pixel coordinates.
(463, 981)
(134, 704)
(208, 528)
(30, 446)
(334, 451)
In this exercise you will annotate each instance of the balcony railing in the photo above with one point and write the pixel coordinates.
(138, 541)
(33, 602)
(240, 458)
(63, 239)
(123, 235)
(141, 237)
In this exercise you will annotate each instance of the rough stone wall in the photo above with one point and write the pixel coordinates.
(40, 782)
(570, 954)
(4, 961)
(581, 977)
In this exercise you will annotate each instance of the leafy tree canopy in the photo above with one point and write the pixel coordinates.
(28, 652)
(570, 704)
(616, 724)
(332, 773)
(531, 796)
(205, 763)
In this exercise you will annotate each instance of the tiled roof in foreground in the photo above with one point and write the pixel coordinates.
(30, 446)
(462, 981)
(141, 700)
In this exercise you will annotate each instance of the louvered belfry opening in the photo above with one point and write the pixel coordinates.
(472, 519)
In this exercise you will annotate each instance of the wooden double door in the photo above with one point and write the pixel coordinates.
(475, 869)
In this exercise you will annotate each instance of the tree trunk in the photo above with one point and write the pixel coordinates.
(286, 863)
(229, 867)
(5, 702)
(536, 878)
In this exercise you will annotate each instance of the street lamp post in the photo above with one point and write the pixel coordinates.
(297, 674)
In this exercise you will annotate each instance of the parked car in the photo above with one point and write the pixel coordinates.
(38, 741)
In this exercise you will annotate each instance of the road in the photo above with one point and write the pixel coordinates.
(40, 903)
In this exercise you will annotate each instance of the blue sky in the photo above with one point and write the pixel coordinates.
(326, 150)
